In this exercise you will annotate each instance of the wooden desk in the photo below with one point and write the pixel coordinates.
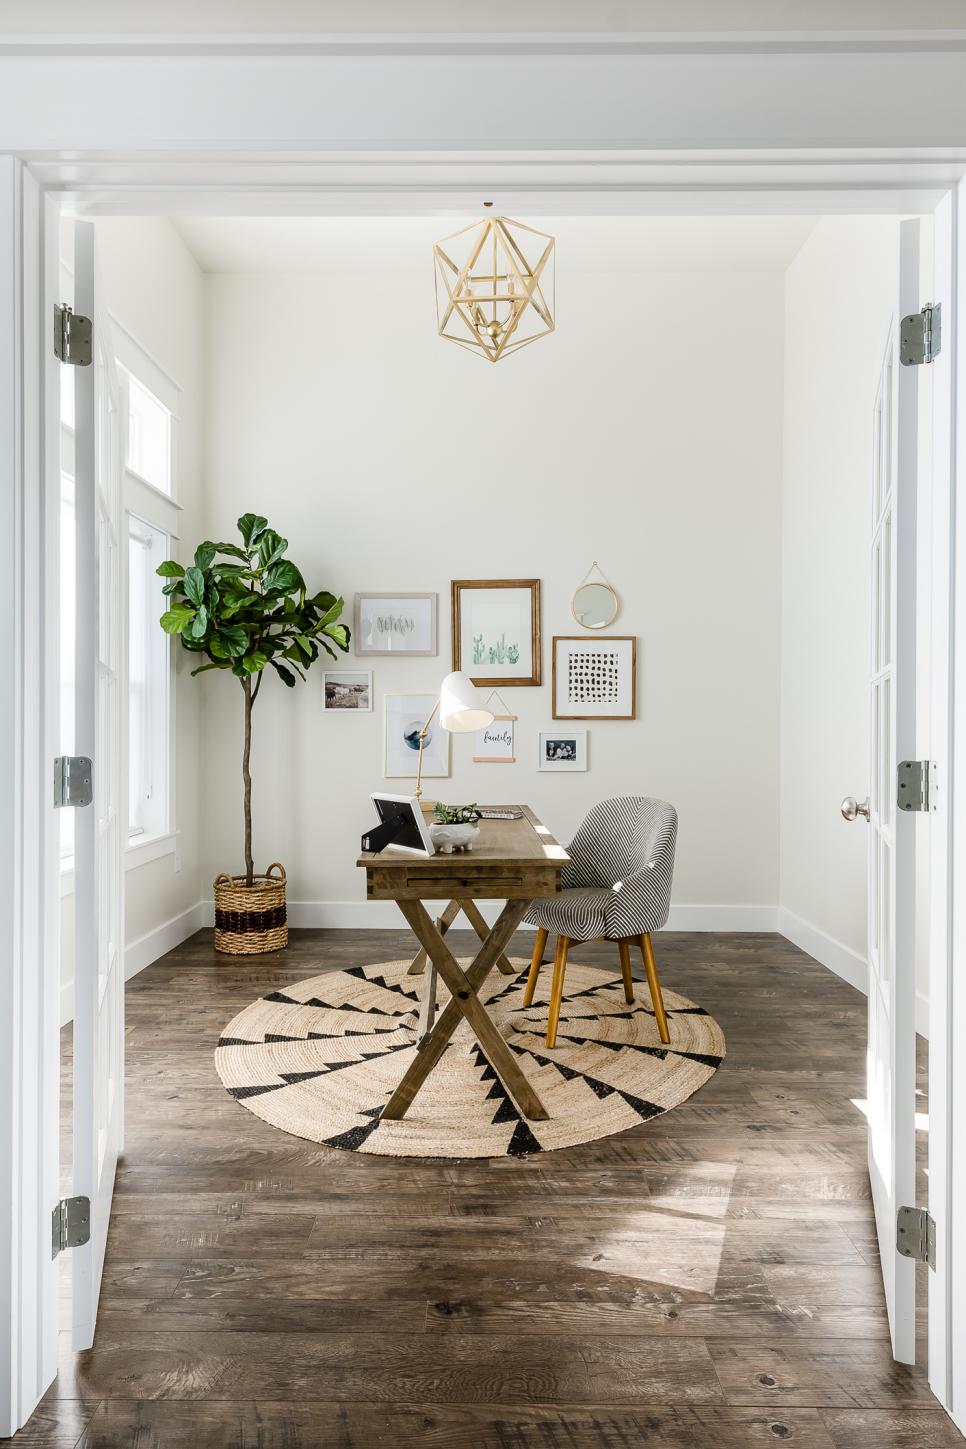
(513, 860)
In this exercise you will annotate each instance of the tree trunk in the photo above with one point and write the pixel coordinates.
(247, 777)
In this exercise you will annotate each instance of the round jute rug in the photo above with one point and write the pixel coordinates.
(321, 1058)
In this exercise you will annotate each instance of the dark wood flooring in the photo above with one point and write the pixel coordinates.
(705, 1281)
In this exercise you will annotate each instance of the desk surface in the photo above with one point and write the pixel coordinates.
(513, 859)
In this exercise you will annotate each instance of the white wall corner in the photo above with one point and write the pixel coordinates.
(146, 950)
(849, 964)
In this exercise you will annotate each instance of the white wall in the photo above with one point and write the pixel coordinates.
(838, 306)
(646, 434)
(155, 289)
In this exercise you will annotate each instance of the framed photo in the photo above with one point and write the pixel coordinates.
(413, 835)
(496, 630)
(594, 678)
(395, 624)
(563, 750)
(405, 716)
(348, 689)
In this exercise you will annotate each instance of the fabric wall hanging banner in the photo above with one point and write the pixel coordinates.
(495, 743)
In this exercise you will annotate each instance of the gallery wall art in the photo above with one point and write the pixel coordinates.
(405, 716)
(594, 678)
(395, 624)
(496, 630)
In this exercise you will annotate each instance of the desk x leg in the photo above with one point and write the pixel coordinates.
(475, 917)
(465, 1003)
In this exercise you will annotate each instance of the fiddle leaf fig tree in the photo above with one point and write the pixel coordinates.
(242, 607)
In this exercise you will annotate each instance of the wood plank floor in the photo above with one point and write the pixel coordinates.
(705, 1281)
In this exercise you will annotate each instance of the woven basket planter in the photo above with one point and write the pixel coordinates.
(251, 919)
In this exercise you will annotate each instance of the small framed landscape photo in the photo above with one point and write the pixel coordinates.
(395, 624)
(346, 689)
(563, 749)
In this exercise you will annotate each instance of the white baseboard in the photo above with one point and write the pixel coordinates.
(146, 949)
(384, 915)
(849, 964)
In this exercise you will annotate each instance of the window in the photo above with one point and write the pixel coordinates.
(148, 447)
(147, 693)
(149, 411)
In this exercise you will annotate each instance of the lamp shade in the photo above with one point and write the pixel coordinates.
(460, 706)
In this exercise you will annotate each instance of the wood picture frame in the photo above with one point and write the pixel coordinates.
(608, 692)
(471, 610)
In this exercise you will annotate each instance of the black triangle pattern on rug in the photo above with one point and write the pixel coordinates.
(241, 1041)
(522, 1143)
(645, 1109)
(352, 1140)
(240, 1093)
(705, 1058)
(618, 1046)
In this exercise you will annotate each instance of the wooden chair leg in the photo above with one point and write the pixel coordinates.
(556, 992)
(625, 955)
(654, 982)
(535, 965)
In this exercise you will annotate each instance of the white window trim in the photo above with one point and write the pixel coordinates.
(140, 850)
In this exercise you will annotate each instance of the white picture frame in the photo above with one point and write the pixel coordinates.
(347, 691)
(563, 750)
(594, 678)
(405, 715)
(414, 813)
(395, 623)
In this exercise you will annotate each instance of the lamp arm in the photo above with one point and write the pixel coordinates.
(422, 740)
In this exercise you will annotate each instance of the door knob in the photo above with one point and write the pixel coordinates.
(852, 807)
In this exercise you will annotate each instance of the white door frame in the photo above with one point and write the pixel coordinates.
(341, 128)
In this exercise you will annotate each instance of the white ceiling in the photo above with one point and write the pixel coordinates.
(584, 243)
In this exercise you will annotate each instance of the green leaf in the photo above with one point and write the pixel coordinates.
(253, 662)
(323, 601)
(231, 548)
(199, 624)
(250, 525)
(285, 675)
(204, 553)
(177, 619)
(232, 571)
(170, 570)
(339, 633)
(203, 667)
(271, 546)
(234, 639)
(306, 646)
(236, 602)
(283, 578)
(173, 586)
(333, 612)
(194, 584)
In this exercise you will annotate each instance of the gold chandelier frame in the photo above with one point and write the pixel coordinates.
(481, 304)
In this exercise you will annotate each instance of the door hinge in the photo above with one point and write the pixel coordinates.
(912, 780)
(70, 1224)
(916, 1235)
(920, 336)
(72, 336)
(73, 780)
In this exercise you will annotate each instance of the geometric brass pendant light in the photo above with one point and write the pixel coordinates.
(495, 286)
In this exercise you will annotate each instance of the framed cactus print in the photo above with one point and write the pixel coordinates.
(496, 630)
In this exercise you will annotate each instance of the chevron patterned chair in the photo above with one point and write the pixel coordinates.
(617, 887)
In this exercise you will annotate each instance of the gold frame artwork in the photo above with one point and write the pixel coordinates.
(589, 641)
(499, 681)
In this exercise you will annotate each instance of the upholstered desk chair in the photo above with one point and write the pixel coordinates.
(617, 888)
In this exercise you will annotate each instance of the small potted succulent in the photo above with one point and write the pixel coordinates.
(455, 827)
(242, 607)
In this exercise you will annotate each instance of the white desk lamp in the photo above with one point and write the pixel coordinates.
(460, 711)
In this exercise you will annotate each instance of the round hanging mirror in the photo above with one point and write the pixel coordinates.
(594, 605)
